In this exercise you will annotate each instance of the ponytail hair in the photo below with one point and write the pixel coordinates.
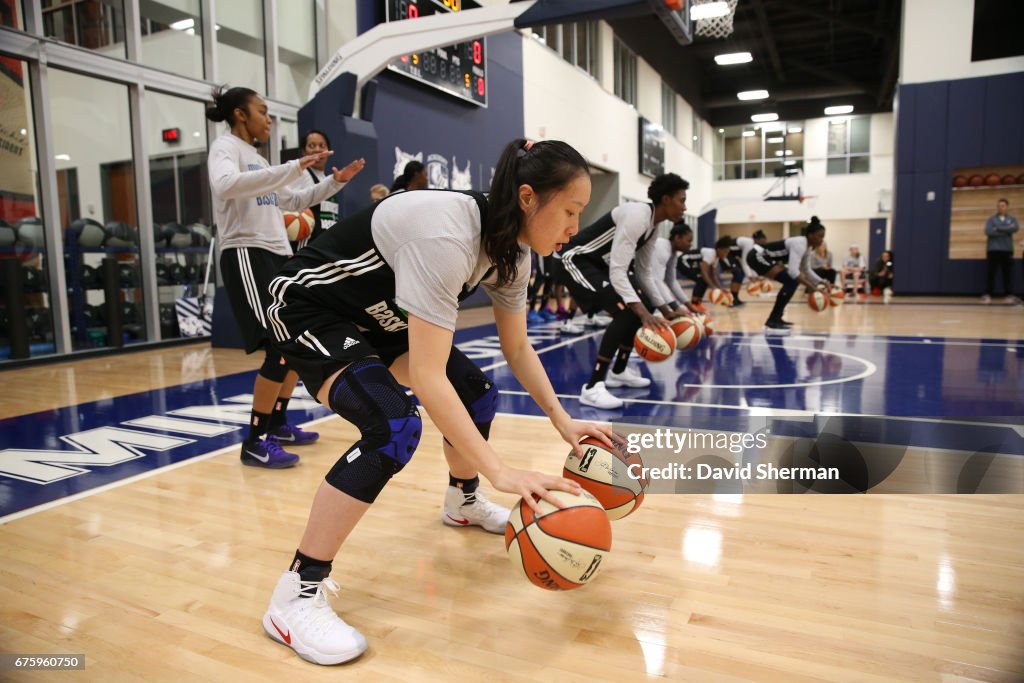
(408, 173)
(546, 166)
(814, 226)
(226, 101)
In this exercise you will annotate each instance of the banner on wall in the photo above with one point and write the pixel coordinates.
(445, 172)
(17, 192)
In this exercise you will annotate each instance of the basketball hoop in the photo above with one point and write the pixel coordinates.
(717, 27)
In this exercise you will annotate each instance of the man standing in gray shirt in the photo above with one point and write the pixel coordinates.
(999, 228)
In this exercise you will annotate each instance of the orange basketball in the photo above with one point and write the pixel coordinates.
(719, 296)
(959, 181)
(687, 332)
(976, 181)
(654, 344)
(698, 322)
(817, 300)
(1020, 179)
(836, 297)
(754, 288)
(709, 326)
(1008, 179)
(561, 548)
(613, 476)
(992, 179)
(767, 286)
(299, 226)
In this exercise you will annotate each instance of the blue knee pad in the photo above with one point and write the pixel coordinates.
(274, 367)
(389, 425)
(475, 389)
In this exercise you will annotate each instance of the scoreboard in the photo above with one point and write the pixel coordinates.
(459, 70)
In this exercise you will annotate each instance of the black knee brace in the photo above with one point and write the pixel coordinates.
(273, 367)
(389, 425)
(475, 389)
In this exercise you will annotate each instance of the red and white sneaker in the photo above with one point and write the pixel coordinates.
(478, 512)
(310, 626)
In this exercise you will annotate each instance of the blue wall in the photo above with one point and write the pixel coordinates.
(943, 126)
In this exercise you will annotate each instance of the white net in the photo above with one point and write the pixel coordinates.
(718, 27)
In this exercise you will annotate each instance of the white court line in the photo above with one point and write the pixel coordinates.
(128, 480)
(869, 369)
(545, 349)
(887, 340)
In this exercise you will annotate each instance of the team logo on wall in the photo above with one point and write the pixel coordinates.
(402, 158)
(462, 179)
(437, 172)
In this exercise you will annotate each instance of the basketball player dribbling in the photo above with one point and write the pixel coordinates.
(370, 306)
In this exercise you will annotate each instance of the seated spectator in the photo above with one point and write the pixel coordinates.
(379, 192)
(882, 274)
(853, 271)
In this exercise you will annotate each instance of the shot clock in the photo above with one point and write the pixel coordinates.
(459, 69)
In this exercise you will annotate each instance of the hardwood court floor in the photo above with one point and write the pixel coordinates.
(166, 578)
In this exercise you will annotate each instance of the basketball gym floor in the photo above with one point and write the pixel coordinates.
(153, 552)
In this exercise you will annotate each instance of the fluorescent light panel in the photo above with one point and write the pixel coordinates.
(839, 110)
(795, 129)
(774, 140)
(183, 24)
(733, 58)
(764, 118)
(749, 133)
(752, 95)
(708, 10)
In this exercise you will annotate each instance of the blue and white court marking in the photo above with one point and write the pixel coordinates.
(931, 392)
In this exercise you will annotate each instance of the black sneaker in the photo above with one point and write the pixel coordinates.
(775, 327)
(737, 303)
(786, 323)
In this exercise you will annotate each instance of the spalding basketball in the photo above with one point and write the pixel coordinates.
(754, 288)
(767, 286)
(1008, 179)
(698, 322)
(1020, 179)
(560, 548)
(299, 225)
(613, 475)
(718, 296)
(687, 333)
(959, 181)
(836, 297)
(976, 181)
(654, 344)
(992, 179)
(709, 326)
(817, 300)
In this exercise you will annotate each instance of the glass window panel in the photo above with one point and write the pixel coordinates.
(172, 36)
(836, 166)
(289, 132)
(733, 171)
(551, 35)
(594, 50)
(860, 136)
(752, 170)
(752, 147)
(11, 15)
(240, 44)
(296, 51)
(95, 166)
(733, 147)
(568, 43)
(771, 166)
(93, 24)
(860, 164)
(182, 212)
(837, 142)
(795, 142)
(26, 322)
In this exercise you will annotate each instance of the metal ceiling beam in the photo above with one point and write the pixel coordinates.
(789, 95)
(826, 74)
(769, 40)
(833, 18)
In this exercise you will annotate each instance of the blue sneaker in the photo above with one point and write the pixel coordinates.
(295, 436)
(548, 315)
(267, 453)
(534, 318)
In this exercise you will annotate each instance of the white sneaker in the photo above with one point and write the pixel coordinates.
(569, 327)
(310, 626)
(627, 378)
(985, 298)
(481, 512)
(597, 321)
(597, 396)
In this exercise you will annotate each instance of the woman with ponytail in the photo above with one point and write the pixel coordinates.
(248, 197)
(786, 261)
(371, 306)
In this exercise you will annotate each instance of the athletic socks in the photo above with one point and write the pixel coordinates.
(600, 372)
(259, 424)
(467, 486)
(280, 414)
(310, 569)
(621, 358)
